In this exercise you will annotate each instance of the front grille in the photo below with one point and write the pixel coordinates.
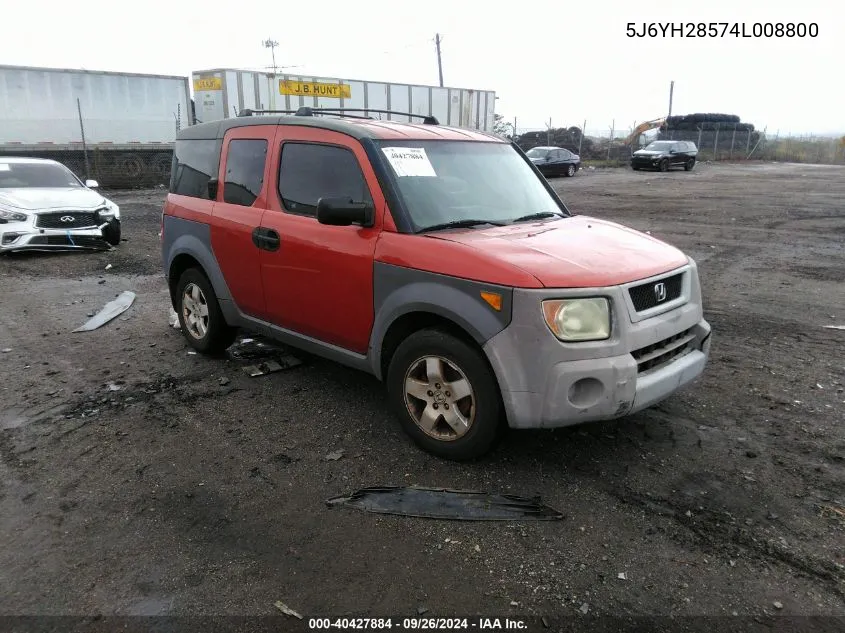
(646, 296)
(78, 220)
(663, 352)
(83, 241)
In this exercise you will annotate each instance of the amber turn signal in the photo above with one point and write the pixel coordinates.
(494, 299)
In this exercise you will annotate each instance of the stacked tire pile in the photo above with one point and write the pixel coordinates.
(568, 138)
(708, 122)
(718, 136)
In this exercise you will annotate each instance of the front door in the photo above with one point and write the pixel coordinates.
(680, 157)
(319, 281)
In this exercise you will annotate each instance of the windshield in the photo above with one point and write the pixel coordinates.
(453, 181)
(49, 175)
(537, 153)
(659, 146)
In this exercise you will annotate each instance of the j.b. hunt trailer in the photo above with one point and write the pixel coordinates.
(223, 92)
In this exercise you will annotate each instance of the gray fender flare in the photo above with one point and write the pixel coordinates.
(466, 310)
(188, 244)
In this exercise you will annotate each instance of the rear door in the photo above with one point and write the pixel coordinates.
(318, 282)
(241, 201)
(565, 161)
(680, 156)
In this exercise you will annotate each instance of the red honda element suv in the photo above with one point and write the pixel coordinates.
(438, 259)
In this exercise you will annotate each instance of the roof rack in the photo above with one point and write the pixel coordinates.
(428, 119)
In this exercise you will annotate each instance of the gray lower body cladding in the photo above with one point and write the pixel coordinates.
(544, 382)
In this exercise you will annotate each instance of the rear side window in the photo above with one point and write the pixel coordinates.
(244, 171)
(194, 164)
(309, 172)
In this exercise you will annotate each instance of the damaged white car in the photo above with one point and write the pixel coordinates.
(44, 206)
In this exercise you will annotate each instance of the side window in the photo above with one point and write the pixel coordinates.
(565, 155)
(309, 172)
(194, 164)
(244, 171)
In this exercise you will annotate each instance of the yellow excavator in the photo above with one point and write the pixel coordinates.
(642, 128)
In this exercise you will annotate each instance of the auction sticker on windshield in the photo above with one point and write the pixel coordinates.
(409, 161)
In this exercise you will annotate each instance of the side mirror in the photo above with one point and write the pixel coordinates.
(344, 212)
(92, 184)
(212, 188)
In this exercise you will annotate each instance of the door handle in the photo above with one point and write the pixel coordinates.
(266, 239)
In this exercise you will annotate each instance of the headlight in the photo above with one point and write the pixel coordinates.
(109, 210)
(12, 216)
(578, 319)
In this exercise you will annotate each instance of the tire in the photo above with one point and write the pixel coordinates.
(111, 232)
(208, 333)
(664, 164)
(570, 171)
(689, 165)
(454, 361)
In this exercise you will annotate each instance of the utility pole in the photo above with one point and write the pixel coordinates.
(272, 44)
(439, 60)
(671, 91)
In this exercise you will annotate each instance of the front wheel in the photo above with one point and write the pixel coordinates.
(111, 232)
(199, 313)
(689, 164)
(664, 165)
(570, 171)
(445, 395)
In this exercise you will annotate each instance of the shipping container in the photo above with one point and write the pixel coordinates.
(128, 121)
(222, 93)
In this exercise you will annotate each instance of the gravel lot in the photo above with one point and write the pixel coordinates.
(195, 489)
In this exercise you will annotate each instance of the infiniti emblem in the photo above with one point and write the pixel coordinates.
(67, 218)
(659, 291)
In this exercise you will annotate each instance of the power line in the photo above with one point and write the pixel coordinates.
(439, 58)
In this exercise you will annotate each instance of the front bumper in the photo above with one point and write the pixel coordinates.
(647, 162)
(25, 236)
(546, 383)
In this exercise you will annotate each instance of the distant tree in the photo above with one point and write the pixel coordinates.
(502, 127)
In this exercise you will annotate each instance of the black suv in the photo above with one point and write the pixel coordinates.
(665, 154)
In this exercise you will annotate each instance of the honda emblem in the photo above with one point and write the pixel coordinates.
(67, 218)
(660, 292)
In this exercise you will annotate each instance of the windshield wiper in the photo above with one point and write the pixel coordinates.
(459, 224)
(539, 216)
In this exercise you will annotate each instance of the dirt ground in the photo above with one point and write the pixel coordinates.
(188, 487)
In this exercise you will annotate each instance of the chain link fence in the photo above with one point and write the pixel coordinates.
(114, 168)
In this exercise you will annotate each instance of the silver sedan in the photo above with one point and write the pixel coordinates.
(44, 206)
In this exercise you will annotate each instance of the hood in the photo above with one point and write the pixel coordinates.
(642, 152)
(36, 199)
(576, 252)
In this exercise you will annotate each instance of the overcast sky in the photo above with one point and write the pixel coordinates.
(568, 61)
